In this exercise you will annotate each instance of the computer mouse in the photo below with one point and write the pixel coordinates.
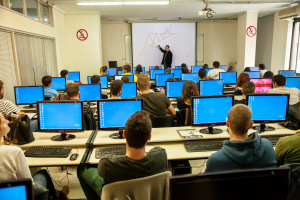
(74, 156)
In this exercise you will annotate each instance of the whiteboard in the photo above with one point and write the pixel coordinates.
(200, 48)
(181, 37)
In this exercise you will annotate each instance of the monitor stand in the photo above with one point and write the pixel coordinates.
(30, 106)
(118, 135)
(210, 130)
(63, 137)
(262, 128)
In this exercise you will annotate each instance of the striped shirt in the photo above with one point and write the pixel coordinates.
(87, 109)
(7, 107)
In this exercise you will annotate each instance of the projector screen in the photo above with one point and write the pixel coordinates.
(181, 37)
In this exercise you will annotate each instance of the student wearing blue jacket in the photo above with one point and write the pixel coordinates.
(241, 151)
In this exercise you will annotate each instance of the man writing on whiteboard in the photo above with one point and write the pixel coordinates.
(167, 58)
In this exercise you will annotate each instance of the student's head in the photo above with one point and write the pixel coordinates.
(167, 47)
(184, 70)
(4, 128)
(73, 91)
(1, 89)
(262, 66)
(205, 66)
(64, 73)
(143, 82)
(243, 78)
(126, 68)
(138, 129)
(216, 64)
(156, 67)
(138, 69)
(239, 120)
(247, 69)
(47, 81)
(95, 79)
(202, 74)
(231, 69)
(268, 74)
(279, 81)
(189, 89)
(116, 88)
(183, 65)
(125, 79)
(248, 88)
(103, 70)
(171, 79)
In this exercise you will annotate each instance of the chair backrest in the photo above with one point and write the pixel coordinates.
(294, 188)
(163, 121)
(184, 117)
(147, 188)
(89, 122)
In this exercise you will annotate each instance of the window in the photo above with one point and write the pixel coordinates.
(16, 5)
(31, 7)
(44, 10)
(295, 47)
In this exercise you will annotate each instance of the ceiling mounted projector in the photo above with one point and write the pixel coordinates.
(207, 11)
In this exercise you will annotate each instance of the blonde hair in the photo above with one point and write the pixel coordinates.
(143, 81)
(102, 70)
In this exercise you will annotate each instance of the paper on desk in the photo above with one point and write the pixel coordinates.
(189, 133)
(30, 115)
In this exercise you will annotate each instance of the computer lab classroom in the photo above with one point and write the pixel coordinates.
(211, 109)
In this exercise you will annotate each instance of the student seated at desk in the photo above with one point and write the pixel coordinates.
(157, 104)
(184, 70)
(125, 79)
(214, 73)
(13, 166)
(243, 78)
(231, 69)
(47, 82)
(137, 163)
(201, 76)
(247, 69)
(171, 79)
(7, 107)
(279, 82)
(138, 70)
(241, 151)
(103, 72)
(262, 69)
(248, 88)
(205, 66)
(126, 70)
(268, 74)
(96, 80)
(65, 73)
(189, 89)
(116, 89)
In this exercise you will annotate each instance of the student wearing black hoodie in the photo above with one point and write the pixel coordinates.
(241, 151)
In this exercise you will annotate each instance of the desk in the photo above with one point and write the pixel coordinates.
(21, 107)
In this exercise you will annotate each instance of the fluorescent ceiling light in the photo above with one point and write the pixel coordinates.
(99, 3)
(146, 3)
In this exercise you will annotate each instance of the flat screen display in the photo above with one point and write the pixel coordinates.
(29, 95)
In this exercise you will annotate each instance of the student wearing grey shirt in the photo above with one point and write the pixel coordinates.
(262, 70)
(65, 73)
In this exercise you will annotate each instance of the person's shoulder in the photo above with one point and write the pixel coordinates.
(9, 150)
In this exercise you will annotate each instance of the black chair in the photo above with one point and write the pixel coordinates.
(294, 188)
(89, 122)
(184, 117)
(164, 121)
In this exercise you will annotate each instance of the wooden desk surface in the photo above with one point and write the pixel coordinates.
(161, 135)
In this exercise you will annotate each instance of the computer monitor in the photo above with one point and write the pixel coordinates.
(129, 90)
(131, 77)
(89, 92)
(152, 67)
(293, 82)
(228, 77)
(269, 183)
(120, 72)
(28, 95)
(156, 71)
(143, 69)
(177, 67)
(74, 76)
(60, 117)
(190, 77)
(111, 71)
(176, 72)
(211, 87)
(287, 73)
(174, 88)
(195, 69)
(268, 108)
(20, 189)
(161, 79)
(58, 83)
(254, 69)
(224, 67)
(216, 110)
(103, 81)
(262, 85)
(253, 74)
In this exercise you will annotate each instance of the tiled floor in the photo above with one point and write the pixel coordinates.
(59, 176)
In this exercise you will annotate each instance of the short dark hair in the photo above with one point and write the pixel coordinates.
(248, 88)
(262, 66)
(268, 74)
(202, 73)
(216, 64)
(64, 73)
(240, 118)
(247, 69)
(156, 67)
(168, 46)
(171, 79)
(127, 68)
(205, 66)
(125, 79)
(184, 70)
(183, 65)
(138, 129)
(116, 86)
(46, 80)
(279, 79)
(72, 89)
(95, 79)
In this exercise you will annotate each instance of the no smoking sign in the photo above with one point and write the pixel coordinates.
(82, 35)
(251, 31)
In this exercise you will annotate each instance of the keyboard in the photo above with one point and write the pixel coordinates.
(44, 151)
(111, 150)
(203, 145)
(273, 140)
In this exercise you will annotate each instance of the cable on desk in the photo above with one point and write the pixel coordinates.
(67, 175)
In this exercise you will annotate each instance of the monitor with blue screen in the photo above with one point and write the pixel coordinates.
(120, 72)
(143, 69)
(74, 76)
(152, 67)
(177, 67)
(254, 69)
(129, 90)
(113, 113)
(89, 92)
(268, 108)
(111, 71)
(173, 89)
(156, 71)
(131, 78)
(287, 73)
(224, 67)
(176, 72)
(253, 74)
(293, 82)
(228, 77)
(60, 117)
(20, 189)
(208, 69)
(103, 81)
(216, 110)
(211, 87)
(28, 95)
(195, 69)
(161, 79)
(58, 83)
(190, 77)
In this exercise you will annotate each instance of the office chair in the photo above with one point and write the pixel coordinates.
(163, 121)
